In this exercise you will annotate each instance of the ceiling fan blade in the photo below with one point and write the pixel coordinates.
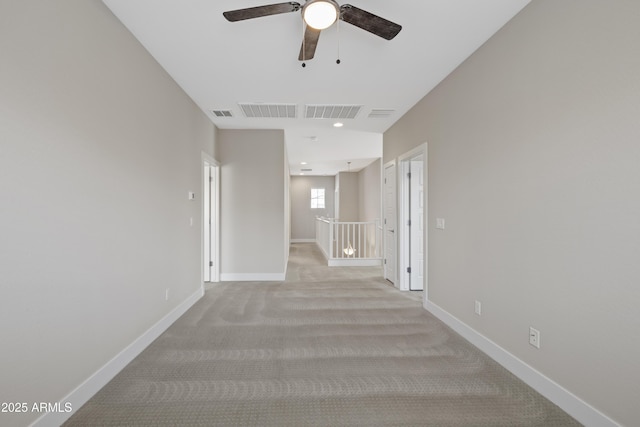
(259, 11)
(369, 22)
(308, 48)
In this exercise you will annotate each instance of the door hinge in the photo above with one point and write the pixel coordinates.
(385, 260)
(409, 270)
(210, 263)
(409, 175)
(409, 222)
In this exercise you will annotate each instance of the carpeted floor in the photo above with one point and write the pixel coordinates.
(327, 347)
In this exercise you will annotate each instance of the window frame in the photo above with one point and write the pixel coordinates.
(318, 200)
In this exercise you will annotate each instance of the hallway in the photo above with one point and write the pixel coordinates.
(329, 346)
(307, 263)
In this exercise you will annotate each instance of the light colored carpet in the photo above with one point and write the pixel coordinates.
(327, 347)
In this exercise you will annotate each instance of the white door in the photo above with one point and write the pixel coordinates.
(210, 227)
(390, 223)
(416, 209)
(206, 223)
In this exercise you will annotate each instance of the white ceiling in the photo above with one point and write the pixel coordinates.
(220, 64)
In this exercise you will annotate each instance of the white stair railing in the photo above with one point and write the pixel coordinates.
(349, 243)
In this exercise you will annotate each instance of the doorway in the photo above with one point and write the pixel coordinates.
(412, 220)
(210, 219)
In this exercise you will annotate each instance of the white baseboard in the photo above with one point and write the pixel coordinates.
(252, 277)
(570, 403)
(102, 376)
(302, 240)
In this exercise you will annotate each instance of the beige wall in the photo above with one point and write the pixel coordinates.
(252, 201)
(534, 154)
(303, 218)
(369, 192)
(98, 151)
(348, 207)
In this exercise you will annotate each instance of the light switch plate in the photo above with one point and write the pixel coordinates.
(440, 223)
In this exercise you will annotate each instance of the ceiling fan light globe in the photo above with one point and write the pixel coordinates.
(320, 14)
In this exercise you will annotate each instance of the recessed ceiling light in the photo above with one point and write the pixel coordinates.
(303, 163)
(338, 125)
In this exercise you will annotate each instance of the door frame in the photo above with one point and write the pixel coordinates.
(404, 214)
(210, 210)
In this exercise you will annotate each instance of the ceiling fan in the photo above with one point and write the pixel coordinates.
(318, 15)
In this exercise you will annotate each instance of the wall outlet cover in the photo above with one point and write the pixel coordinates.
(534, 337)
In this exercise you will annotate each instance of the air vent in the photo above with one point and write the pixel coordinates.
(306, 170)
(332, 111)
(222, 113)
(269, 111)
(380, 113)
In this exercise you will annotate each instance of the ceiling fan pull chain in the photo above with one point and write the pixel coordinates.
(338, 34)
(304, 47)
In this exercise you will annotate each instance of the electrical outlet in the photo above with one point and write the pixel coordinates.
(534, 337)
(478, 308)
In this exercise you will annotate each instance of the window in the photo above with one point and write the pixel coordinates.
(317, 198)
